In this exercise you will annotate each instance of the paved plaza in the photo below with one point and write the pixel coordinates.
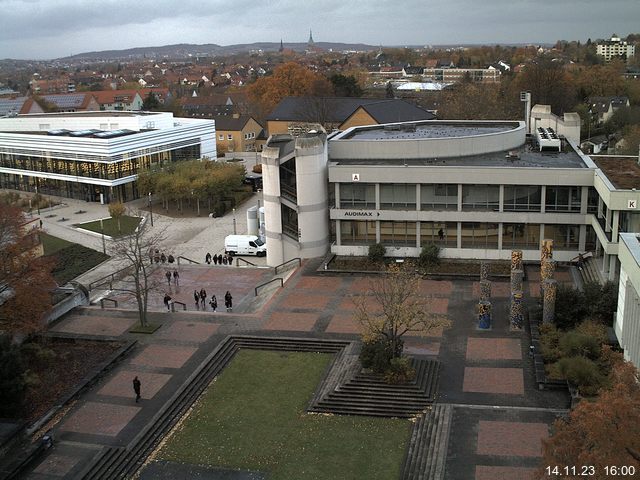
(499, 414)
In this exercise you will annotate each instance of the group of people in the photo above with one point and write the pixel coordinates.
(176, 277)
(159, 257)
(218, 259)
(200, 299)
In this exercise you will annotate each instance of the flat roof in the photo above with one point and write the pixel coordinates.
(428, 129)
(96, 113)
(622, 172)
(526, 156)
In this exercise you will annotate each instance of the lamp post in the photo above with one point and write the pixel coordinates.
(104, 247)
(38, 198)
(150, 209)
(234, 222)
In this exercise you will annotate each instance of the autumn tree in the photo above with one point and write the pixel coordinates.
(25, 276)
(345, 85)
(477, 101)
(288, 80)
(549, 84)
(139, 281)
(117, 210)
(395, 305)
(603, 432)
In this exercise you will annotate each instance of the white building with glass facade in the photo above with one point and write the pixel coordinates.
(478, 189)
(96, 155)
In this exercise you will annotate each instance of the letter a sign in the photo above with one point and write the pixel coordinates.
(355, 177)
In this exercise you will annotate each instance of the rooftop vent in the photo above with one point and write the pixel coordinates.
(548, 139)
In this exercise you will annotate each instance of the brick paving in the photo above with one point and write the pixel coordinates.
(305, 300)
(493, 349)
(100, 418)
(121, 385)
(485, 472)
(56, 465)
(344, 324)
(511, 438)
(187, 331)
(289, 321)
(493, 380)
(94, 325)
(498, 289)
(166, 356)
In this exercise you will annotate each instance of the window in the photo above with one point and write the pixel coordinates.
(565, 237)
(518, 198)
(563, 199)
(289, 221)
(592, 201)
(354, 232)
(479, 235)
(520, 236)
(288, 181)
(398, 234)
(441, 233)
(480, 197)
(357, 195)
(399, 196)
(221, 136)
(229, 136)
(439, 197)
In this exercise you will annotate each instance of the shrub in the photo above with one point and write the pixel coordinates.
(593, 328)
(583, 373)
(377, 252)
(400, 371)
(570, 307)
(257, 168)
(377, 354)
(549, 341)
(429, 255)
(574, 344)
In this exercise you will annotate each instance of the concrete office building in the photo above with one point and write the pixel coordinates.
(478, 189)
(96, 156)
(627, 321)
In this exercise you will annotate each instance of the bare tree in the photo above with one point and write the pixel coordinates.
(139, 282)
(403, 307)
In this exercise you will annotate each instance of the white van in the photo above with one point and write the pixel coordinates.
(244, 245)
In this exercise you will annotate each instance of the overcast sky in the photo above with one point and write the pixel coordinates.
(43, 29)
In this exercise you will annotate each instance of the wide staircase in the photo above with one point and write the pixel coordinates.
(590, 271)
(358, 393)
(427, 453)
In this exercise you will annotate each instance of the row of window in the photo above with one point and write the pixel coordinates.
(247, 136)
(472, 234)
(474, 197)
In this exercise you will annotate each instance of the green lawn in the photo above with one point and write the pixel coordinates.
(253, 417)
(71, 259)
(127, 226)
(53, 244)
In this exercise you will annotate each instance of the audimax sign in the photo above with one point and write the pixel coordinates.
(361, 213)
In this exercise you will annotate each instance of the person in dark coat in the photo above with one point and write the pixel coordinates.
(168, 275)
(196, 297)
(214, 303)
(176, 277)
(228, 300)
(167, 300)
(203, 297)
(215, 259)
(224, 260)
(163, 257)
(136, 388)
(207, 258)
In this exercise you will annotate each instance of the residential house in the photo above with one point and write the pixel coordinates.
(237, 133)
(125, 100)
(69, 102)
(603, 108)
(18, 106)
(295, 115)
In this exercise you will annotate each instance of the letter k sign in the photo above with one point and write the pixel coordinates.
(632, 204)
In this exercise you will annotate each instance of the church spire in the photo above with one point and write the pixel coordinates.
(310, 42)
(281, 49)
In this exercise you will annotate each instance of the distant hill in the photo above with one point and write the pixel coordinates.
(184, 50)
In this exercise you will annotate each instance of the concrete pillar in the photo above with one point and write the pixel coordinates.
(459, 200)
(484, 270)
(500, 229)
(613, 264)
(546, 250)
(584, 200)
(543, 200)
(614, 225)
(516, 312)
(337, 194)
(484, 315)
(272, 212)
(485, 290)
(338, 232)
(501, 199)
(516, 260)
(582, 239)
(418, 197)
(377, 188)
(459, 235)
(517, 277)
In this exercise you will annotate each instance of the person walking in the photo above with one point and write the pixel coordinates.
(167, 301)
(441, 234)
(168, 275)
(203, 297)
(136, 388)
(207, 258)
(215, 259)
(214, 303)
(224, 260)
(163, 257)
(196, 297)
(228, 301)
(176, 277)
